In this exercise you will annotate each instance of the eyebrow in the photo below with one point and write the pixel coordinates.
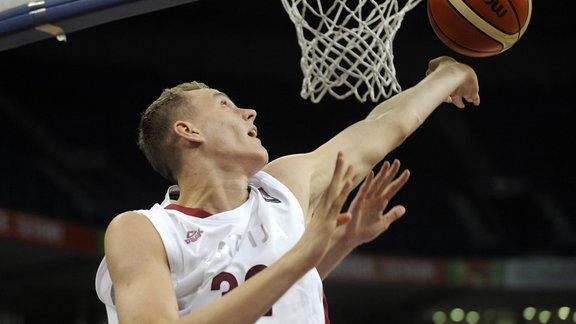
(221, 94)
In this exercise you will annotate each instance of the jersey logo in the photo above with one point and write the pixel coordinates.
(267, 197)
(193, 236)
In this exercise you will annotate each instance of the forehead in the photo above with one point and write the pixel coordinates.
(199, 100)
(205, 95)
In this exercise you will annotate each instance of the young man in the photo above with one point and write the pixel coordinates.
(234, 216)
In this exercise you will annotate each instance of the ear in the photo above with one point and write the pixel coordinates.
(187, 131)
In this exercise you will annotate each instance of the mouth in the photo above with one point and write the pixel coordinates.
(253, 132)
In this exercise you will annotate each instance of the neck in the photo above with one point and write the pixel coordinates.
(211, 191)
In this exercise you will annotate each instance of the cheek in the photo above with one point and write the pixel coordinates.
(214, 127)
(221, 133)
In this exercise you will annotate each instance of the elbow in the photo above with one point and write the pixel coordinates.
(389, 137)
(406, 125)
(401, 132)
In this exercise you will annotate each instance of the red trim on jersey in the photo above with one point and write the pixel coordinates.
(194, 212)
(326, 317)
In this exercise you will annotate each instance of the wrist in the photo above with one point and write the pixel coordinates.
(347, 243)
(460, 71)
(302, 258)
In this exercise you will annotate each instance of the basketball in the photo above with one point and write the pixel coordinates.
(479, 28)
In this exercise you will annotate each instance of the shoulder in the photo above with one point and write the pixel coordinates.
(131, 234)
(128, 221)
(307, 175)
(136, 261)
(293, 171)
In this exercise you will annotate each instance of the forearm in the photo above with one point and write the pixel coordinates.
(249, 301)
(367, 142)
(418, 102)
(392, 121)
(334, 256)
(385, 128)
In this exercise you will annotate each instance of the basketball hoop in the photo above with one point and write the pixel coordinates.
(346, 46)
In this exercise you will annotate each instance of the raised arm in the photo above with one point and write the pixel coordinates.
(367, 142)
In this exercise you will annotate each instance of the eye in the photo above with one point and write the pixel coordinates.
(223, 102)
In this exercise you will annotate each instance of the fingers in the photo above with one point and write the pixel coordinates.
(475, 99)
(457, 101)
(393, 214)
(387, 186)
(343, 219)
(340, 199)
(375, 185)
(377, 190)
(372, 197)
(340, 188)
(467, 91)
(337, 192)
(340, 178)
(387, 173)
(364, 188)
(397, 184)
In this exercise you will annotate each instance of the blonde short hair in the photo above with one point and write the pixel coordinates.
(155, 127)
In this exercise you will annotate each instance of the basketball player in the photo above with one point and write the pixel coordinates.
(241, 240)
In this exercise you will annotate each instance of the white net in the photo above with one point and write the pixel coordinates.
(347, 46)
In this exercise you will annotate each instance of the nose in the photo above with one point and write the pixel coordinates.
(249, 114)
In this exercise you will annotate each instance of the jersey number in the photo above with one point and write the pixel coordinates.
(233, 282)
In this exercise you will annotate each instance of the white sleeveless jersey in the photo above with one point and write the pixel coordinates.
(209, 256)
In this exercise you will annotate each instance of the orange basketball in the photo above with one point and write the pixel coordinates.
(479, 28)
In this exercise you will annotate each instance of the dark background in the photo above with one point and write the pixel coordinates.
(494, 181)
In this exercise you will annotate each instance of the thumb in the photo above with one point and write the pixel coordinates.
(343, 219)
(394, 214)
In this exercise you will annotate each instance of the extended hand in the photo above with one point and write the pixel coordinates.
(367, 209)
(468, 89)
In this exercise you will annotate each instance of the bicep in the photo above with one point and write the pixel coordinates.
(139, 270)
(363, 144)
(295, 172)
